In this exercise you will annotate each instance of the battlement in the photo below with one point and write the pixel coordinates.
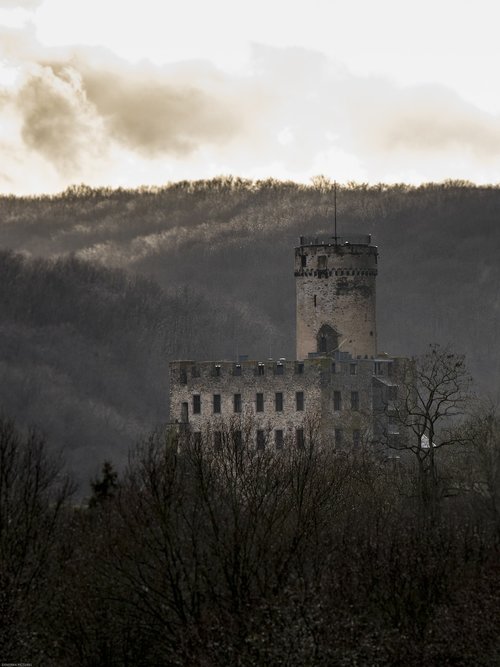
(337, 241)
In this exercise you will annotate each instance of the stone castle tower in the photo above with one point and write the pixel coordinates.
(335, 291)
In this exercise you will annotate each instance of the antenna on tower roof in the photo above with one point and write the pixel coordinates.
(335, 209)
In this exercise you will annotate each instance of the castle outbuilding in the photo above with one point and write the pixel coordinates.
(338, 391)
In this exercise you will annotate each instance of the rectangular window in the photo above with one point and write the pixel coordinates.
(261, 369)
(278, 438)
(261, 439)
(300, 368)
(237, 402)
(195, 372)
(279, 369)
(321, 261)
(184, 413)
(299, 438)
(299, 400)
(278, 401)
(334, 368)
(338, 437)
(196, 404)
(354, 400)
(259, 402)
(352, 369)
(237, 370)
(379, 368)
(315, 301)
(303, 260)
(356, 437)
(183, 377)
(218, 441)
(217, 370)
(337, 400)
(216, 404)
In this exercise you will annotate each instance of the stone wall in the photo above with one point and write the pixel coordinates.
(335, 286)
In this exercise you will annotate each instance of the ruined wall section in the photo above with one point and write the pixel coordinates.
(335, 293)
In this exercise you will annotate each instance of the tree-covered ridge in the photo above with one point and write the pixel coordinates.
(231, 238)
(85, 351)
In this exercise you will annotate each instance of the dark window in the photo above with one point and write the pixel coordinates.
(337, 400)
(237, 402)
(216, 404)
(278, 401)
(299, 438)
(278, 438)
(338, 437)
(379, 368)
(237, 370)
(237, 439)
(196, 404)
(217, 441)
(261, 369)
(184, 412)
(195, 372)
(321, 261)
(261, 439)
(334, 368)
(217, 370)
(303, 260)
(315, 301)
(300, 368)
(352, 369)
(354, 400)
(279, 369)
(299, 400)
(259, 402)
(183, 377)
(356, 437)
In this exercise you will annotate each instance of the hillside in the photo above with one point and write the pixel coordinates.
(85, 340)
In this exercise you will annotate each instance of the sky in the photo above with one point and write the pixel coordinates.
(128, 93)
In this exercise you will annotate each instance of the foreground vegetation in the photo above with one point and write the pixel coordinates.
(238, 557)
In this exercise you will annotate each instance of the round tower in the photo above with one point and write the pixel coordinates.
(335, 290)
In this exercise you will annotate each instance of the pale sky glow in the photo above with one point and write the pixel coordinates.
(121, 92)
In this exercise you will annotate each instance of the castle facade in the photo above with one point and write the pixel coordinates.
(338, 391)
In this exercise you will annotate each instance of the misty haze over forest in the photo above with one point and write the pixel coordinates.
(101, 288)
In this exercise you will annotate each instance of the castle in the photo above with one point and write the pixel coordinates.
(337, 391)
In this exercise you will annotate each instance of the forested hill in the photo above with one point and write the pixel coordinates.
(217, 261)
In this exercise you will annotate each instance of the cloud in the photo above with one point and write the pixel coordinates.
(91, 116)
(57, 120)
(19, 4)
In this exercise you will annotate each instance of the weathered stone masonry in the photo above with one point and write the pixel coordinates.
(339, 384)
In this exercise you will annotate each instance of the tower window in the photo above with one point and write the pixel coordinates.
(299, 368)
(216, 404)
(278, 401)
(261, 439)
(322, 262)
(315, 301)
(259, 402)
(354, 400)
(184, 413)
(237, 369)
(261, 369)
(299, 400)
(217, 441)
(279, 369)
(299, 438)
(303, 261)
(196, 404)
(217, 370)
(353, 369)
(337, 401)
(278, 438)
(237, 402)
